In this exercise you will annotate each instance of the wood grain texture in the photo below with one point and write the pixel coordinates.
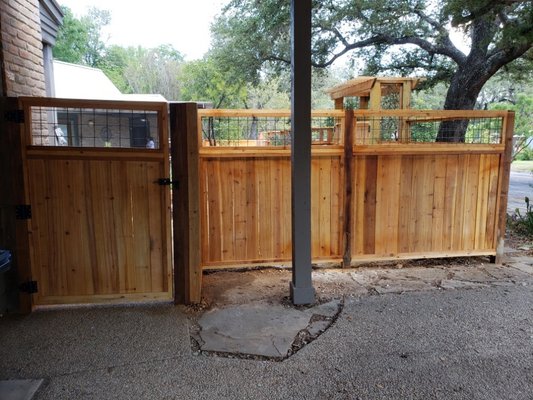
(97, 228)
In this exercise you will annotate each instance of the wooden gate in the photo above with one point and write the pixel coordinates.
(100, 211)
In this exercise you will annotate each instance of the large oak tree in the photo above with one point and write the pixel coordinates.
(392, 36)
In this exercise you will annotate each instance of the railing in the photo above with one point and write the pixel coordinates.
(271, 128)
(385, 184)
(94, 123)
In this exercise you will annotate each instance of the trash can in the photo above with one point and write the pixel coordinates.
(5, 266)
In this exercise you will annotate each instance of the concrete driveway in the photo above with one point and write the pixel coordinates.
(469, 339)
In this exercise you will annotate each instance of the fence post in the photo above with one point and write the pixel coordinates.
(505, 170)
(348, 183)
(14, 233)
(184, 151)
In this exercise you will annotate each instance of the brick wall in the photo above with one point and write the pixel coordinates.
(22, 49)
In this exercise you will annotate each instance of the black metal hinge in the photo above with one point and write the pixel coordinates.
(16, 116)
(23, 211)
(29, 287)
(168, 182)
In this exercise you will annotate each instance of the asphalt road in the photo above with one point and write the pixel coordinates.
(520, 186)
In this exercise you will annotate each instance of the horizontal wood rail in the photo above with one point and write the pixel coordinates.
(83, 103)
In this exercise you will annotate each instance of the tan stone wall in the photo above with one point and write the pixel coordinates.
(22, 48)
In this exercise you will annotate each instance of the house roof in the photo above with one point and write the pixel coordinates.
(74, 81)
(51, 18)
(362, 85)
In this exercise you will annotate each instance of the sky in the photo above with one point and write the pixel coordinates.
(182, 23)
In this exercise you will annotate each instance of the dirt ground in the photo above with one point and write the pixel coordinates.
(271, 284)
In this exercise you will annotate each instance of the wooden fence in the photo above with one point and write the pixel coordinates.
(382, 187)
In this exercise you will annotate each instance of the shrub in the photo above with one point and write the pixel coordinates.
(523, 224)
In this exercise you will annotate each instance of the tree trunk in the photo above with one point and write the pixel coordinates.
(465, 86)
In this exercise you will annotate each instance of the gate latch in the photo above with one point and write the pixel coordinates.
(168, 182)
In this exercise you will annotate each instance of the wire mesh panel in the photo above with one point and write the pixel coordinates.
(94, 127)
(274, 131)
(375, 129)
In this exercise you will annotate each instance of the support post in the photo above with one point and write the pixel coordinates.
(301, 286)
(14, 233)
(505, 170)
(184, 150)
(348, 182)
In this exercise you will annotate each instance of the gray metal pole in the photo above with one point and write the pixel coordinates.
(301, 287)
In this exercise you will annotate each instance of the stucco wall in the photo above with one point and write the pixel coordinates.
(22, 48)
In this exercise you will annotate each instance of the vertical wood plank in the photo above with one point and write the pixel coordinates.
(387, 205)
(450, 210)
(347, 213)
(470, 205)
(492, 201)
(370, 194)
(405, 231)
(505, 170)
(439, 199)
(315, 207)
(482, 201)
(251, 214)
(325, 194)
(460, 202)
(286, 210)
(265, 210)
(157, 216)
(337, 219)
(239, 209)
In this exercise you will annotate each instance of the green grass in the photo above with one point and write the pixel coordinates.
(522, 166)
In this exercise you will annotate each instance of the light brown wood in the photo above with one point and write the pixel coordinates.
(100, 222)
(428, 148)
(348, 189)
(408, 200)
(98, 228)
(503, 185)
(433, 115)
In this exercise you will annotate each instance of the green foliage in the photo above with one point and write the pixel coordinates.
(203, 80)
(154, 71)
(396, 37)
(522, 105)
(79, 40)
(114, 65)
(95, 20)
(72, 39)
(525, 154)
(523, 224)
(131, 69)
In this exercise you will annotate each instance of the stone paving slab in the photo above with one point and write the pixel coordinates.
(260, 329)
(252, 329)
(19, 389)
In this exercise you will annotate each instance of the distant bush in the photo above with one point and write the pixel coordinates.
(525, 155)
(523, 224)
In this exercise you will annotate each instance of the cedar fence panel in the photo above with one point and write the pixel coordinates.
(407, 199)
